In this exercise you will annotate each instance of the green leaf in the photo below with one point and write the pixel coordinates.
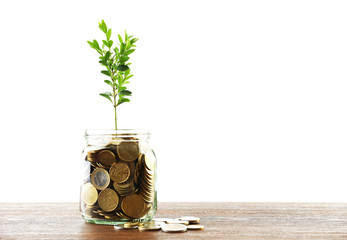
(106, 72)
(108, 34)
(134, 40)
(126, 82)
(124, 59)
(103, 62)
(106, 96)
(105, 42)
(108, 82)
(120, 79)
(116, 50)
(129, 52)
(122, 88)
(107, 55)
(110, 43)
(126, 36)
(122, 67)
(125, 93)
(127, 72)
(103, 26)
(128, 77)
(120, 39)
(123, 100)
(96, 44)
(122, 48)
(91, 44)
(127, 46)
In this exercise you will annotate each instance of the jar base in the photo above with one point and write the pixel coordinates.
(114, 222)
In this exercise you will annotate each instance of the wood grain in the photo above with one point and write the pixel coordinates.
(221, 220)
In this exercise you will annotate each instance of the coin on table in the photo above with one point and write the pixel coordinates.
(149, 227)
(128, 151)
(190, 219)
(107, 157)
(131, 224)
(162, 219)
(122, 226)
(173, 227)
(133, 206)
(89, 194)
(108, 200)
(178, 221)
(195, 227)
(100, 178)
(119, 172)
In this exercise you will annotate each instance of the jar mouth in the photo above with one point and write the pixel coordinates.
(118, 132)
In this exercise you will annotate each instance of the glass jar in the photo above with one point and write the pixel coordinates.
(118, 177)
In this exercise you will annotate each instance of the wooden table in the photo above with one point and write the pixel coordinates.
(221, 220)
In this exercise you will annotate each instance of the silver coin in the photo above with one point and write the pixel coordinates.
(173, 227)
(100, 178)
(178, 221)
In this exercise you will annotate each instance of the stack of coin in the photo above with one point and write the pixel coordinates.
(147, 180)
(122, 182)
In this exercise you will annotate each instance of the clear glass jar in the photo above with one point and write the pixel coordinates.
(118, 177)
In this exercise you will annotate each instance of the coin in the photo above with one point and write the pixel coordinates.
(108, 200)
(195, 227)
(190, 219)
(131, 224)
(89, 194)
(100, 178)
(133, 206)
(119, 172)
(173, 227)
(149, 227)
(128, 151)
(178, 221)
(163, 219)
(122, 226)
(92, 155)
(107, 157)
(150, 160)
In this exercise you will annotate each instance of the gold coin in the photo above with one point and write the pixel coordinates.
(150, 160)
(100, 178)
(119, 172)
(195, 227)
(131, 224)
(89, 194)
(108, 200)
(173, 227)
(190, 219)
(107, 157)
(149, 227)
(133, 206)
(92, 155)
(128, 151)
(122, 226)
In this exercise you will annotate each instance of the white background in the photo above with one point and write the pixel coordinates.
(246, 100)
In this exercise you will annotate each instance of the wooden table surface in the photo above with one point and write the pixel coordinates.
(221, 221)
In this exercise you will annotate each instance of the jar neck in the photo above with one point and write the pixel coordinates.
(101, 137)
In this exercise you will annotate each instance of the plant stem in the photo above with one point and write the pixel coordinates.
(115, 116)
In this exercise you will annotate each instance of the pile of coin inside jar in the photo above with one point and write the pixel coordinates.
(181, 224)
(119, 182)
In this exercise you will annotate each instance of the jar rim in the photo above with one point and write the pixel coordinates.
(114, 132)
